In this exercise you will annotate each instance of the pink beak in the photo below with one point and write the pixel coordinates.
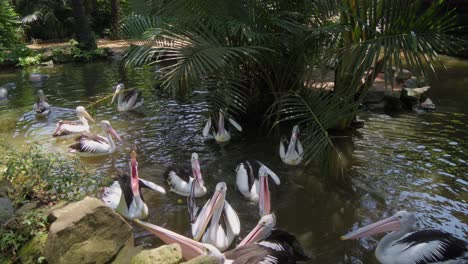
(264, 193)
(114, 134)
(260, 232)
(134, 175)
(197, 172)
(190, 248)
(216, 203)
(389, 224)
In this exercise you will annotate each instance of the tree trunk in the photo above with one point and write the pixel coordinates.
(83, 31)
(114, 14)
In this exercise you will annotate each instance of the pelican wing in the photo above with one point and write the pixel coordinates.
(232, 219)
(300, 149)
(68, 127)
(242, 179)
(235, 124)
(111, 195)
(151, 185)
(132, 97)
(207, 128)
(282, 151)
(273, 175)
(87, 142)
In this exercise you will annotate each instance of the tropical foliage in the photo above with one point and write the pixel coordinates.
(255, 56)
(8, 25)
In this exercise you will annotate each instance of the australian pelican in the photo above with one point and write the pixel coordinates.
(420, 247)
(217, 223)
(264, 246)
(181, 182)
(70, 127)
(41, 107)
(294, 153)
(222, 134)
(252, 182)
(94, 145)
(125, 196)
(127, 100)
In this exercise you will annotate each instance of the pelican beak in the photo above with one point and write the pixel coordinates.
(134, 174)
(88, 116)
(221, 122)
(260, 231)
(264, 193)
(216, 203)
(116, 136)
(116, 91)
(190, 248)
(197, 171)
(389, 224)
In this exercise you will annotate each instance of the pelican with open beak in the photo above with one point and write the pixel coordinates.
(295, 152)
(401, 246)
(94, 145)
(252, 182)
(128, 99)
(125, 196)
(71, 127)
(217, 223)
(262, 245)
(222, 134)
(181, 183)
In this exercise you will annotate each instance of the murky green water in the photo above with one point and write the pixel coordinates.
(416, 162)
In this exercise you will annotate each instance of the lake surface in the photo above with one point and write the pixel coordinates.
(404, 161)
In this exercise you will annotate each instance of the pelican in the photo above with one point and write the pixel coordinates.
(41, 107)
(3, 93)
(222, 135)
(182, 184)
(294, 154)
(276, 247)
(131, 204)
(217, 223)
(94, 145)
(71, 127)
(252, 182)
(128, 100)
(404, 247)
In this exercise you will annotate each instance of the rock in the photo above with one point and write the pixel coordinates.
(167, 254)
(374, 96)
(411, 82)
(403, 74)
(27, 207)
(127, 253)
(38, 77)
(86, 232)
(6, 210)
(33, 251)
(203, 260)
(376, 106)
(47, 55)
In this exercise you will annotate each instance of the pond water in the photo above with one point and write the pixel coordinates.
(415, 162)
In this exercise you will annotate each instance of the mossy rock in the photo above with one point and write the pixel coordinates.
(203, 260)
(33, 251)
(168, 254)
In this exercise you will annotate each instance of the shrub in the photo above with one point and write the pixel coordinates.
(8, 25)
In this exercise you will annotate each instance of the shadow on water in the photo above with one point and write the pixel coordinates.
(405, 161)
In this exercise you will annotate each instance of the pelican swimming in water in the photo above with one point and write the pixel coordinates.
(222, 134)
(420, 247)
(70, 127)
(294, 154)
(263, 245)
(217, 223)
(41, 107)
(127, 100)
(94, 145)
(252, 183)
(125, 196)
(181, 182)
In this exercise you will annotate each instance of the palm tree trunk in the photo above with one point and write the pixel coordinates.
(114, 4)
(83, 31)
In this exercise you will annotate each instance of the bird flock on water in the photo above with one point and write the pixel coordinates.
(215, 227)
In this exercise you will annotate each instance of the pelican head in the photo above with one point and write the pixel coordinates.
(120, 87)
(41, 95)
(82, 113)
(216, 205)
(107, 128)
(134, 174)
(261, 230)
(264, 191)
(402, 220)
(196, 170)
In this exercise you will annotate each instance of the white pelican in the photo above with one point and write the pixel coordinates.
(127, 100)
(294, 154)
(222, 135)
(125, 196)
(277, 247)
(217, 223)
(182, 184)
(252, 182)
(93, 145)
(70, 127)
(41, 107)
(404, 247)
